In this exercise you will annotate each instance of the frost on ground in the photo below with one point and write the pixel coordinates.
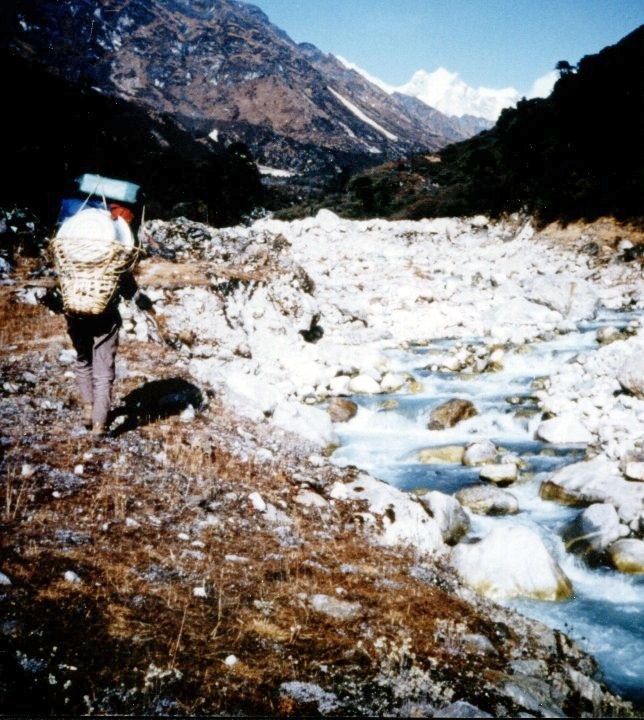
(207, 558)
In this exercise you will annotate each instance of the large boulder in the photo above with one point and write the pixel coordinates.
(564, 429)
(593, 530)
(450, 413)
(452, 520)
(631, 376)
(488, 500)
(573, 298)
(627, 555)
(597, 481)
(511, 562)
(403, 520)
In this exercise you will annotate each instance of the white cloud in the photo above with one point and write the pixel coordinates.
(542, 87)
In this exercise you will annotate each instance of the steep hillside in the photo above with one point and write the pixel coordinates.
(574, 155)
(57, 130)
(220, 68)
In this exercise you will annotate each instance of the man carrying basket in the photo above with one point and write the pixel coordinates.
(94, 253)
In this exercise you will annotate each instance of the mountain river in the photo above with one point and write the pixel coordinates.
(605, 613)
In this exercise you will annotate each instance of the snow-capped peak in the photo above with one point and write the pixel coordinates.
(447, 92)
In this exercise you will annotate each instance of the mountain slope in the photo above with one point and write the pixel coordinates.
(574, 155)
(56, 131)
(220, 65)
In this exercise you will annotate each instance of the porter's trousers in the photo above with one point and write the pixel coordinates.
(95, 339)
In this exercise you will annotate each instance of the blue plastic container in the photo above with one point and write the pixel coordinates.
(70, 206)
(120, 190)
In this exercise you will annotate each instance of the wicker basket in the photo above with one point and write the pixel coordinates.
(89, 271)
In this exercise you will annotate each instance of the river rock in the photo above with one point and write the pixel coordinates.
(488, 500)
(596, 481)
(574, 298)
(634, 470)
(564, 429)
(391, 382)
(631, 376)
(480, 452)
(364, 385)
(450, 413)
(501, 473)
(341, 409)
(339, 385)
(627, 555)
(442, 454)
(607, 335)
(452, 520)
(404, 520)
(593, 530)
(511, 562)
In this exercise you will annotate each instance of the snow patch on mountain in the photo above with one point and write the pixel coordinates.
(365, 118)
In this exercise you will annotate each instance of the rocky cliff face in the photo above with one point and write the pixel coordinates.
(220, 68)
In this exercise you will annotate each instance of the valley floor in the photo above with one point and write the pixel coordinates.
(197, 564)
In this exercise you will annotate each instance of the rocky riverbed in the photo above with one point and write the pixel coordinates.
(209, 557)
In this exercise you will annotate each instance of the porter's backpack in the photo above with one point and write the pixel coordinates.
(93, 247)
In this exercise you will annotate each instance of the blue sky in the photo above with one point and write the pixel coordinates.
(489, 43)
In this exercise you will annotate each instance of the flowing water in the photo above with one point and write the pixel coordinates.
(606, 611)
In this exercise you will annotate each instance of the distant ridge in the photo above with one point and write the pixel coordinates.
(221, 70)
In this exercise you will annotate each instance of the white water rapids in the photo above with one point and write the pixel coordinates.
(605, 613)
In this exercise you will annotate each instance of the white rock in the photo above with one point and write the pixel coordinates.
(596, 481)
(631, 375)
(511, 562)
(251, 396)
(391, 382)
(339, 385)
(628, 555)
(488, 500)
(311, 423)
(308, 498)
(364, 384)
(257, 502)
(573, 297)
(564, 429)
(339, 609)
(199, 592)
(71, 577)
(634, 470)
(230, 660)
(500, 473)
(448, 513)
(404, 520)
(594, 529)
(479, 452)
(187, 414)
(4, 580)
